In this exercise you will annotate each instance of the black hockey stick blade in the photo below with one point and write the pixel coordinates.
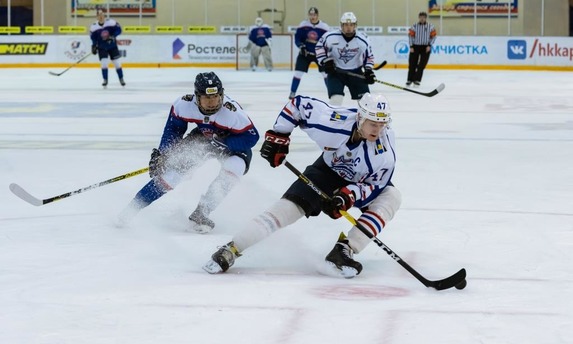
(448, 282)
(381, 65)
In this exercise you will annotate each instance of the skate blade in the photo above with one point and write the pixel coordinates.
(330, 269)
(201, 229)
(212, 267)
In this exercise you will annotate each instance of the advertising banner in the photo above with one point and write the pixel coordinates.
(117, 8)
(221, 50)
(469, 8)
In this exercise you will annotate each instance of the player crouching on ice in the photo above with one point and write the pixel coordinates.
(355, 169)
(224, 131)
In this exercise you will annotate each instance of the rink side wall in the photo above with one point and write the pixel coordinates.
(449, 52)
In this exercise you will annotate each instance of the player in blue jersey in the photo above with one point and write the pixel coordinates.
(260, 40)
(223, 131)
(307, 35)
(103, 34)
(355, 168)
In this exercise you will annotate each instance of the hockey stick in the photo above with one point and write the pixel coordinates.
(380, 66)
(72, 65)
(437, 90)
(26, 196)
(457, 280)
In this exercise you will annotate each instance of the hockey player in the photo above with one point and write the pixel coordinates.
(260, 39)
(223, 131)
(345, 49)
(307, 35)
(355, 168)
(103, 33)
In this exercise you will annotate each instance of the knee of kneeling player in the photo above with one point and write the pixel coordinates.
(235, 165)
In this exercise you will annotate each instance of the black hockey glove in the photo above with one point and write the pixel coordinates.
(303, 50)
(369, 76)
(342, 199)
(94, 49)
(156, 163)
(275, 147)
(328, 65)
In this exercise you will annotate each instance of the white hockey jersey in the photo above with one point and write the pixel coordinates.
(230, 122)
(367, 165)
(352, 55)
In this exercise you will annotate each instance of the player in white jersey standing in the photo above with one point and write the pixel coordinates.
(356, 167)
(103, 34)
(224, 132)
(345, 49)
(307, 35)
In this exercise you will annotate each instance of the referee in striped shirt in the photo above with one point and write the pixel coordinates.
(421, 36)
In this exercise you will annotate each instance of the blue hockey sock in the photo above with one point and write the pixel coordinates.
(104, 73)
(150, 192)
(294, 84)
(119, 73)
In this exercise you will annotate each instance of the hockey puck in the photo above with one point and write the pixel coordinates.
(461, 285)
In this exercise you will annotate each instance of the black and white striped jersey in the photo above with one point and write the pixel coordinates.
(422, 34)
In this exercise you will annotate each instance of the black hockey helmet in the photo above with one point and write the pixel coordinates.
(207, 84)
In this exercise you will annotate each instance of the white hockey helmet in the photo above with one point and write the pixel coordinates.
(374, 107)
(348, 17)
(259, 21)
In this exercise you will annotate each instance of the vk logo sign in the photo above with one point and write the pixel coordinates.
(516, 49)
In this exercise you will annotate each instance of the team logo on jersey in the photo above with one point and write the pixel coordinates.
(347, 54)
(343, 166)
(312, 37)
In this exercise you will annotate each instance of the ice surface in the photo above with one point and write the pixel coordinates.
(485, 169)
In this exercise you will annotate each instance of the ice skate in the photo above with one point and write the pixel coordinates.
(339, 261)
(291, 95)
(223, 259)
(122, 82)
(408, 83)
(416, 83)
(200, 222)
(104, 83)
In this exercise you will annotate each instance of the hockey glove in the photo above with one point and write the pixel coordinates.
(218, 145)
(342, 199)
(94, 49)
(275, 147)
(369, 76)
(328, 65)
(156, 163)
(303, 50)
